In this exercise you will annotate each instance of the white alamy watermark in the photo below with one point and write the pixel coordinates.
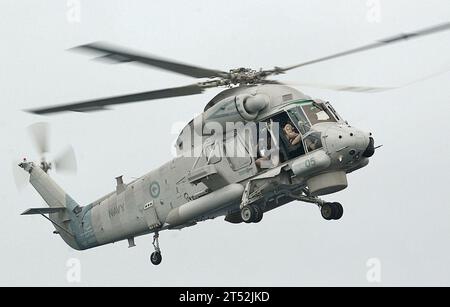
(373, 274)
(73, 273)
(73, 13)
(175, 130)
(214, 140)
(373, 14)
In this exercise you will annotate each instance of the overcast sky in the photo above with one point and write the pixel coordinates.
(396, 209)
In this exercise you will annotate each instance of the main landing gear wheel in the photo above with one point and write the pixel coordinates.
(332, 211)
(259, 214)
(156, 257)
(248, 213)
(251, 214)
(339, 211)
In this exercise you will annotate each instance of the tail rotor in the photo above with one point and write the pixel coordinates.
(64, 162)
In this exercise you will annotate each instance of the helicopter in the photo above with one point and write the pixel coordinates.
(258, 145)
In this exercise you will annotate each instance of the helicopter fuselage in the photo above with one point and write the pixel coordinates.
(225, 171)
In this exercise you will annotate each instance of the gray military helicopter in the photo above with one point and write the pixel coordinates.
(297, 148)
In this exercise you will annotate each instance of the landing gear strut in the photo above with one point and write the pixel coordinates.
(251, 214)
(156, 257)
(329, 211)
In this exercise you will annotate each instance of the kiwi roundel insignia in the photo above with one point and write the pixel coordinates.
(154, 189)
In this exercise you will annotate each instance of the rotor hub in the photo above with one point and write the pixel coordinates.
(244, 75)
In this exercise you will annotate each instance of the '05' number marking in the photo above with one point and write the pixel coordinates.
(310, 163)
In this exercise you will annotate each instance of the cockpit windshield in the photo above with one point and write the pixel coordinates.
(310, 113)
(317, 113)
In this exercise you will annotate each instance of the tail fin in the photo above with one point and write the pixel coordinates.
(63, 209)
(51, 192)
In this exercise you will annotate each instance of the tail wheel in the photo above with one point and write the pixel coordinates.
(156, 258)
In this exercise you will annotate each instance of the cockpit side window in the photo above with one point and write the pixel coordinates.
(299, 119)
(313, 141)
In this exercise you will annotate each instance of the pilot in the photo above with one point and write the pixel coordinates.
(293, 137)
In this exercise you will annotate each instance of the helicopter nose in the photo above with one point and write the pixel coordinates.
(370, 149)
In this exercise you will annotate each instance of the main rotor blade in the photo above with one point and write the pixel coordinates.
(39, 136)
(380, 43)
(100, 104)
(119, 55)
(364, 89)
(343, 87)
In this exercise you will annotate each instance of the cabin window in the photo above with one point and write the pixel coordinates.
(236, 153)
(212, 153)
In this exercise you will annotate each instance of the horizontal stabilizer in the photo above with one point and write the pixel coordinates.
(43, 210)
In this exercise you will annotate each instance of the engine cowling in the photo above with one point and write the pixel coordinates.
(249, 106)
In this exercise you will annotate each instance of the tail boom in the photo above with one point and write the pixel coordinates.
(63, 211)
